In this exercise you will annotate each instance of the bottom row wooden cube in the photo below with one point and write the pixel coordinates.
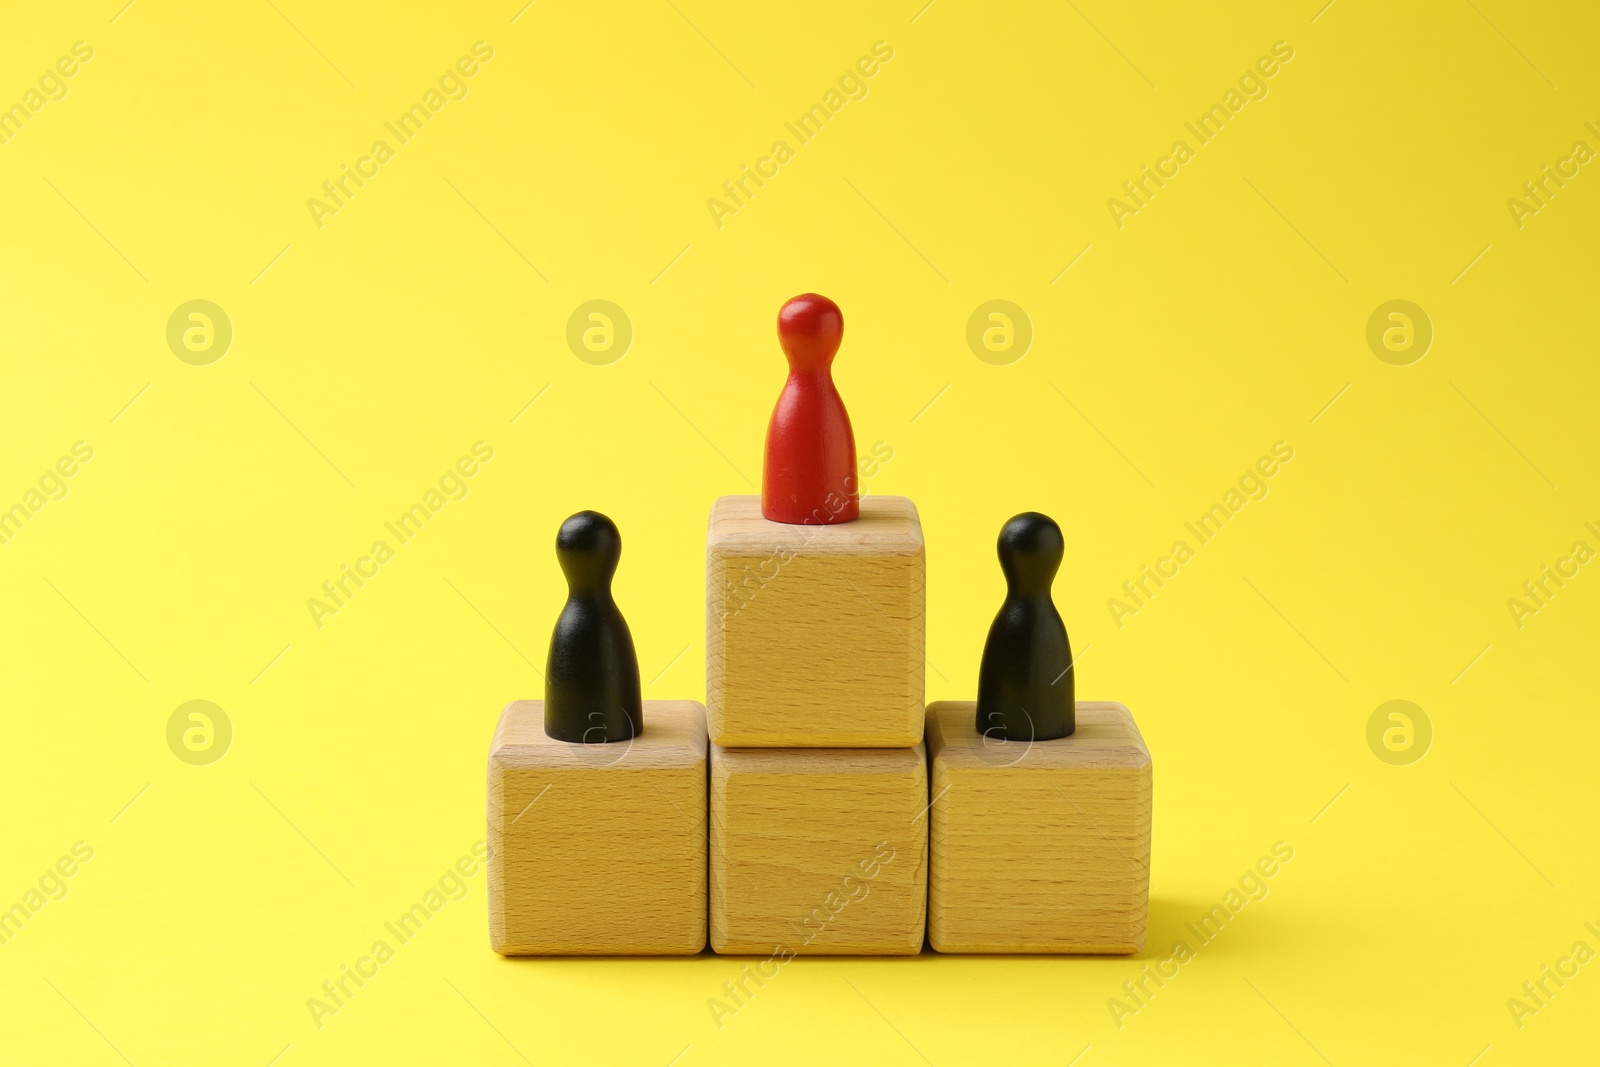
(598, 849)
(1039, 847)
(819, 851)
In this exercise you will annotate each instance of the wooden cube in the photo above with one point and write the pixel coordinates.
(814, 634)
(598, 849)
(819, 851)
(1041, 847)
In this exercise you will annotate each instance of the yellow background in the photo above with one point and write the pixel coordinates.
(426, 314)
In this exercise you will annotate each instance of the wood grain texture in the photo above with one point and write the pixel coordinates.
(819, 851)
(1043, 847)
(814, 634)
(598, 849)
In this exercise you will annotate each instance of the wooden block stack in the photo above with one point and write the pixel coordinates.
(814, 693)
(811, 833)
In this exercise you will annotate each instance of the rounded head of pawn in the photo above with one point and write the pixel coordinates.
(588, 547)
(1031, 547)
(810, 328)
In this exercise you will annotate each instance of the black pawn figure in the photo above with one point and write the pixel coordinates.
(591, 682)
(1025, 685)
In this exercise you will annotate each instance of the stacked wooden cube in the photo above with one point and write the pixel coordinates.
(814, 695)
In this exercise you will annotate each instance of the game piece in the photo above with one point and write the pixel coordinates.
(809, 476)
(818, 851)
(1039, 846)
(598, 849)
(814, 634)
(1025, 683)
(591, 686)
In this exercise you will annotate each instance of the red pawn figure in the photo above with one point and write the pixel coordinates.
(810, 473)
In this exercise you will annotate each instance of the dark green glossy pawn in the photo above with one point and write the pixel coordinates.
(1025, 683)
(591, 682)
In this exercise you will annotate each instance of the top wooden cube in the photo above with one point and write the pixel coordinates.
(814, 634)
